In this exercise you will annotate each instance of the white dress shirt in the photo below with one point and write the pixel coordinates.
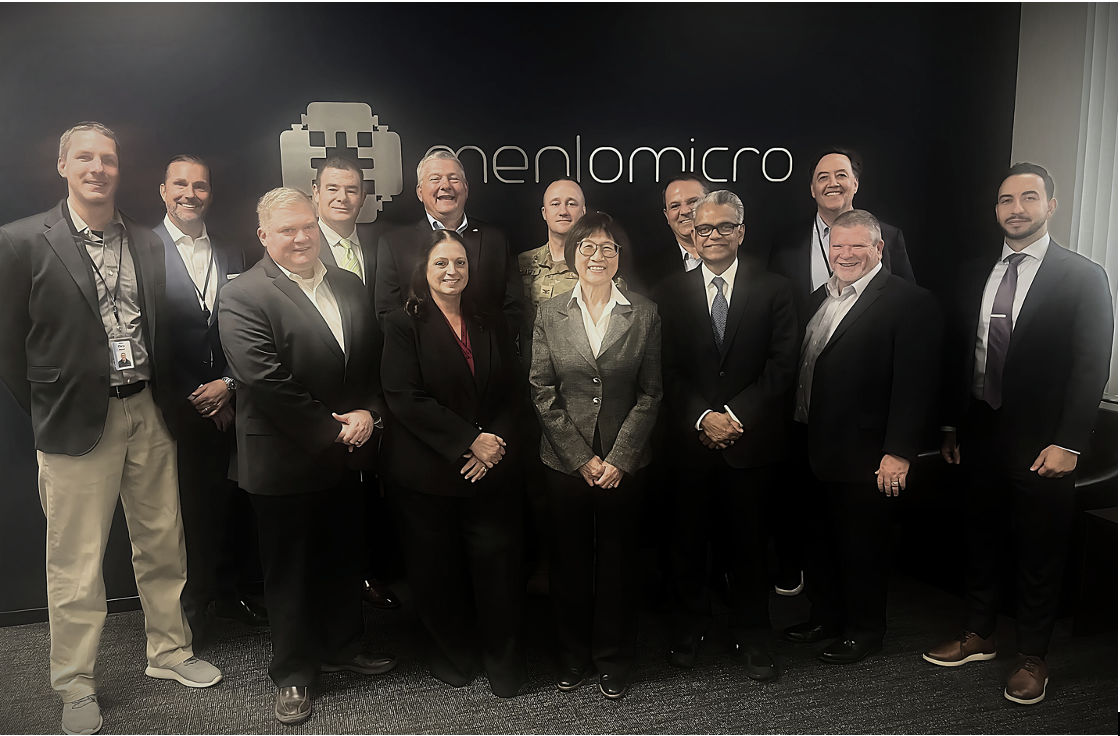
(319, 293)
(197, 255)
(437, 225)
(690, 261)
(820, 330)
(728, 277)
(819, 269)
(597, 330)
(339, 253)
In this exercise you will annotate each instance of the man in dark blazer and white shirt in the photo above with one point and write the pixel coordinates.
(1025, 370)
(679, 199)
(867, 375)
(198, 268)
(300, 339)
(441, 184)
(730, 352)
(81, 285)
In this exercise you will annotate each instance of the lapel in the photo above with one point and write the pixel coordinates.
(326, 255)
(573, 331)
(66, 247)
(472, 236)
(804, 254)
(696, 303)
(440, 341)
(621, 319)
(143, 260)
(332, 278)
(1050, 272)
(739, 295)
(174, 268)
(304, 305)
(481, 345)
(870, 295)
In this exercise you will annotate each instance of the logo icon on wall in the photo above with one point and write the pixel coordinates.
(350, 130)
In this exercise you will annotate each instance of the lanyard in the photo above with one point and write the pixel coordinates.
(113, 294)
(820, 244)
(205, 285)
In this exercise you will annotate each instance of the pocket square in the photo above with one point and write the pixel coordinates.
(232, 275)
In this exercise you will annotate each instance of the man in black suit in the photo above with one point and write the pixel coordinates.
(730, 352)
(216, 517)
(868, 369)
(1026, 365)
(339, 194)
(679, 198)
(301, 341)
(441, 184)
(80, 286)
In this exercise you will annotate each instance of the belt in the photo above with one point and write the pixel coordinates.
(130, 389)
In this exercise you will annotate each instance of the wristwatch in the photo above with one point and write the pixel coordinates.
(230, 383)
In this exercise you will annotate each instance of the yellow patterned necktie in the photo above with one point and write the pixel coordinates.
(351, 261)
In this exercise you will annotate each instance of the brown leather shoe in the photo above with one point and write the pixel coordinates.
(379, 595)
(968, 647)
(1027, 684)
(293, 704)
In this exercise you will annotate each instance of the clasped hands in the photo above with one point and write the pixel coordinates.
(357, 427)
(485, 452)
(211, 400)
(595, 472)
(1052, 462)
(719, 431)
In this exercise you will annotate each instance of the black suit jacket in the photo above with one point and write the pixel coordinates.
(53, 347)
(367, 237)
(439, 408)
(196, 355)
(1057, 361)
(293, 375)
(494, 283)
(790, 253)
(875, 381)
(750, 373)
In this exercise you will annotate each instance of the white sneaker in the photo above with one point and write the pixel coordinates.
(82, 716)
(194, 672)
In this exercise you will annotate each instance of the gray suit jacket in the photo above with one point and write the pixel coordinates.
(574, 392)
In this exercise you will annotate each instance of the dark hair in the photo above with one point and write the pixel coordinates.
(190, 159)
(589, 225)
(1027, 168)
(682, 177)
(419, 293)
(853, 157)
(339, 162)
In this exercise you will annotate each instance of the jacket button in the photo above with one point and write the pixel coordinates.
(596, 380)
(596, 401)
(722, 374)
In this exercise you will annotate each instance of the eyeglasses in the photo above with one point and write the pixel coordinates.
(724, 228)
(588, 248)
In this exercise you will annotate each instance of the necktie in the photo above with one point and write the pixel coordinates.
(999, 332)
(350, 262)
(719, 311)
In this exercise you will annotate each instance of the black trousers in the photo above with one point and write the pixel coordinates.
(593, 576)
(311, 546)
(465, 565)
(1018, 521)
(739, 497)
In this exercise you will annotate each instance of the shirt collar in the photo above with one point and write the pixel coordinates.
(333, 237)
(822, 228)
(685, 255)
(617, 297)
(437, 225)
(728, 276)
(860, 286)
(177, 235)
(1036, 250)
(312, 283)
(80, 224)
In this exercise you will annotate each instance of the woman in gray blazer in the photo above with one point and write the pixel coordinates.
(596, 383)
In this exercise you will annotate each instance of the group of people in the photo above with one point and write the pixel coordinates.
(438, 376)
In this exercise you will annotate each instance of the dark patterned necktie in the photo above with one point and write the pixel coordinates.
(999, 332)
(719, 311)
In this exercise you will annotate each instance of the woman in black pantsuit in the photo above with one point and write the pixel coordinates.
(451, 382)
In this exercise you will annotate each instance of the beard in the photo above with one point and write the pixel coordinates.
(1034, 228)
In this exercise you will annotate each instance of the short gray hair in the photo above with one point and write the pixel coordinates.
(64, 141)
(280, 198)
(722, 197)
(440, 154)
(860, 218)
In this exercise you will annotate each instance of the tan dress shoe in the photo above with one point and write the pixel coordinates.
(968, 647)
(1027, 684)
(293, 704)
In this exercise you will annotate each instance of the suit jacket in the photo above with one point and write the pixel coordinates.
(661, 263)
(53, 346)
(293, 375)
(1057, 362)
(750, 373)
(792, 248)
(577, 394)
(874, 381)
(367, 236)
(439, 408)
(196, 355)
(494, 283)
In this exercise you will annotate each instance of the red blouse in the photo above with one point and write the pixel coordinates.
(464, 341)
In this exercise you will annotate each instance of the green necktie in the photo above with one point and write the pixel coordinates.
(350, 263)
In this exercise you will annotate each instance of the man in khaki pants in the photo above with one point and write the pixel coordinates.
(82, 349)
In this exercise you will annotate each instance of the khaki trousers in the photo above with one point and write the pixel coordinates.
(134, 460)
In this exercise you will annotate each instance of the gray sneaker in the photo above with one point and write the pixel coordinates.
(82, 716)
(194, 672)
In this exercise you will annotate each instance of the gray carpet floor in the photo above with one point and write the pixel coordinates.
(892, 692)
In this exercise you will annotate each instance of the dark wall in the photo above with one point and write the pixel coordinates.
(925, 92)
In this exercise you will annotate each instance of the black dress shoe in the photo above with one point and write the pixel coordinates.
(293, 704)
(365, 663)
(846, 651)
(757, 663)
(243, 610)
(683, 655)
(570, 680)
(379, 595)
(808, 633)
(613, 686)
